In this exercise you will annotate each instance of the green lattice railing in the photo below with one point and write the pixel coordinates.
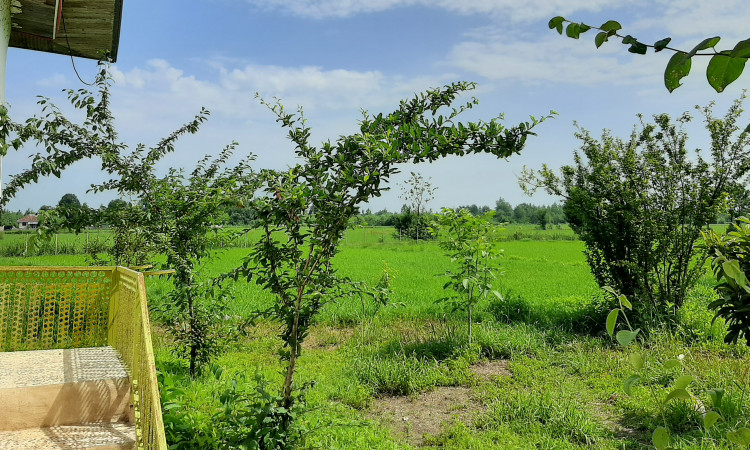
(67, 307)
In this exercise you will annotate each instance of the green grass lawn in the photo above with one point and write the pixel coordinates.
(565, 388)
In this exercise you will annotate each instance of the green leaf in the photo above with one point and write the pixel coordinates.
(636, 360)
(683, 381)
(625, 302)
(582, 27)
(681, 394)
(638, 48)
(740, 437)
(716, 396)
(625, 337)
(611, 27)
(612, 321)
(678, 67)
(573, 30)
(556, 23)
(628, 384)
(710, 419)
(723, 70)
(705, 43)
(629, 40)
(661, 44)
(600, 39)
(660, 438)
(742, 49)
(671, 363)
(732, 270)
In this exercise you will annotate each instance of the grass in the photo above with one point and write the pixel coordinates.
(566, 385)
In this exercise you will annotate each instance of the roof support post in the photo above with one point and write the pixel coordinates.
(4, 40)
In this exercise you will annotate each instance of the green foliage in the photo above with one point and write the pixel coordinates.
(469, 241)
(639, 204)
(304, 211)
(676, 389)
(412, 222)
(172, 215)
(730, 261)
(724, 67)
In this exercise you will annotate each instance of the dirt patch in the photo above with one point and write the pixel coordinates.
(410, 418)
(489, 370)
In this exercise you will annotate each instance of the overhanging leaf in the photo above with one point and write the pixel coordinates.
(660, 438)
(556, 23)
(723, 70)
(600, 39)
(678, 67)
(573, 30)
(671, 363)
(661, 44)
(611, 26)
(625, 302)
(742, 49)
(704, 44)
(716, 396)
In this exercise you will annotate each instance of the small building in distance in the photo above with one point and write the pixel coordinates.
(28, 221)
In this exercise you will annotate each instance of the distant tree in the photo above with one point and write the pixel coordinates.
(724, 67)
(46, 208)
(69, 201)
(417, 192)
(525, 213)
(503, 211)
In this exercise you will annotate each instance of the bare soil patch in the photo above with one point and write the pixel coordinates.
(410, 418)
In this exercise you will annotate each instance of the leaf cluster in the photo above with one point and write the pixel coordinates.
(724, 67)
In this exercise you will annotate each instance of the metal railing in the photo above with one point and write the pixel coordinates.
(68, 307)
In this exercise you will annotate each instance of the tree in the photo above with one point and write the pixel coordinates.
(724, 67)
(305, 210)
(503, 211)
(172, 215)
(469, 241)
(639, 204)
(417, 192)
(69, 201)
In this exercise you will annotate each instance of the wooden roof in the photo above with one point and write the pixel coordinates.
(93, 27)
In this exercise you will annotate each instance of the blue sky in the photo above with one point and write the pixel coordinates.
(336, 57)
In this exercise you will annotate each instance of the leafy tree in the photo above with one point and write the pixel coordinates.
(639, 204)
(503, 211)
(69, 201)
(469, 241)
(172, 216)
(305, 210)
(724, 67)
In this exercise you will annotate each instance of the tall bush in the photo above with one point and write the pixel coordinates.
(639, 204)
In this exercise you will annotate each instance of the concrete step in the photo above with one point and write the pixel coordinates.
(49, 388)
(112, 436)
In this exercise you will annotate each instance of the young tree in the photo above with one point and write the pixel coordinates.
(306, 209)
(639, 204)
(171, 215)
(417, 192)
(469, 241)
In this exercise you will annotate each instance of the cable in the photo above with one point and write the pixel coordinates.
(70, 52)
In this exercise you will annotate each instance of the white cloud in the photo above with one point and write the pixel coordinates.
(512, 9)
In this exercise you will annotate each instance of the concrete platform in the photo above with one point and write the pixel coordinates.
(50, 388)
(115, 436)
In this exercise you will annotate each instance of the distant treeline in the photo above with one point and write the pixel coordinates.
(523, 213)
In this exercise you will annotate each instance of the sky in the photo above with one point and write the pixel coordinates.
(336, 58)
